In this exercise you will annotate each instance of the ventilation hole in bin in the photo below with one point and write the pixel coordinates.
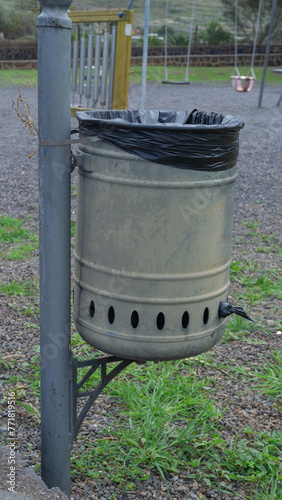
(111, 315)
(185, 319)
(160, 321)
(134, 319)
(206, 315)
(92, 308)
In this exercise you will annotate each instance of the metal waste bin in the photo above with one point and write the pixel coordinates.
(153, 246)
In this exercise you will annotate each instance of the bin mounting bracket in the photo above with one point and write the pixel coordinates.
(92, 394)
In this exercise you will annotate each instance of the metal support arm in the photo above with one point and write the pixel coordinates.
(92, 394)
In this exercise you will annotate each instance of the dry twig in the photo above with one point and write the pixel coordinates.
(21, 107)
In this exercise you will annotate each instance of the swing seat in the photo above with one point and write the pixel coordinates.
(243, 83)
(184, 82)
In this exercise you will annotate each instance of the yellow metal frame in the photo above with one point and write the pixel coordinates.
(122, 64)
(123, 50)
(99, 16)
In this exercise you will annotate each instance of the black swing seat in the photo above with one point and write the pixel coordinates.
(170, 82)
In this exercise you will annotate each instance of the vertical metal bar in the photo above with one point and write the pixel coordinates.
(190, 41)
(112, 66)
(82, 65)
(256, 36)
(103, 371)
(166, 40)
(235, 37)
(145, 53)
(54, 96)
(267, 50)
(89, 68)
(74, 65)
(74, 395)
(97, 66)
(105, 67)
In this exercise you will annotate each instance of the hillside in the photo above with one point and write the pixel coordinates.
(179, 12)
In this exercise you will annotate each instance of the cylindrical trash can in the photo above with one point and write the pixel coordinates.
(153, 240)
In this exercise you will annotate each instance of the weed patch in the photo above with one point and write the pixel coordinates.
(170, 423)
(16, 241)
(11, 230)
(16, 288)
(168, 416)
(267, 286)
(240, 329)
(268, 378)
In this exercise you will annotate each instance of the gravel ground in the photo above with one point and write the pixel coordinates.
(258, 198)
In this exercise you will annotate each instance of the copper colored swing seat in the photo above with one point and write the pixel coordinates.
(243, 83)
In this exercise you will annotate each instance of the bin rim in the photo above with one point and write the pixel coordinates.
(107, 118)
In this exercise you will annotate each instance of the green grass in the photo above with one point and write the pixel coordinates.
(16, 241)
(11, 77)
(20, 252)
(19, 77)
(268, 285)
(267, 378)
(258, 285)
(239, 328)
(30, 372)
(168, 415)
(264, 243)
(198, 75)
(254, 459)
(169, 421)
(16, 288)
(164, 408)
(11, 230)
(73, 222)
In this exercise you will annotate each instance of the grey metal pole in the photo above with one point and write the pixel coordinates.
(54, 98)
(267, 50)
(112, 65)
(145, 53)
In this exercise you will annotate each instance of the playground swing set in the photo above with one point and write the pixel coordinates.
(166, 79)
(239, 82)
(244, 83)
(104, 80)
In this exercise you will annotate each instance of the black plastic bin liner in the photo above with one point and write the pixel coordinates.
(192, 140)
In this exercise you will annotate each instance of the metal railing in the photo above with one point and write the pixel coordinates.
(101, 54)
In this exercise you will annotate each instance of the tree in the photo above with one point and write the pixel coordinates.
(28, 5)
(15, 24)
(247, 19)
(161, 30)
(178, 39)
(2, 18)
(214, 34)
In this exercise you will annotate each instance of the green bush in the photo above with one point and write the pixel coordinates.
(215, 34)
(178, 39)
(17, 23)
(161, 30)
